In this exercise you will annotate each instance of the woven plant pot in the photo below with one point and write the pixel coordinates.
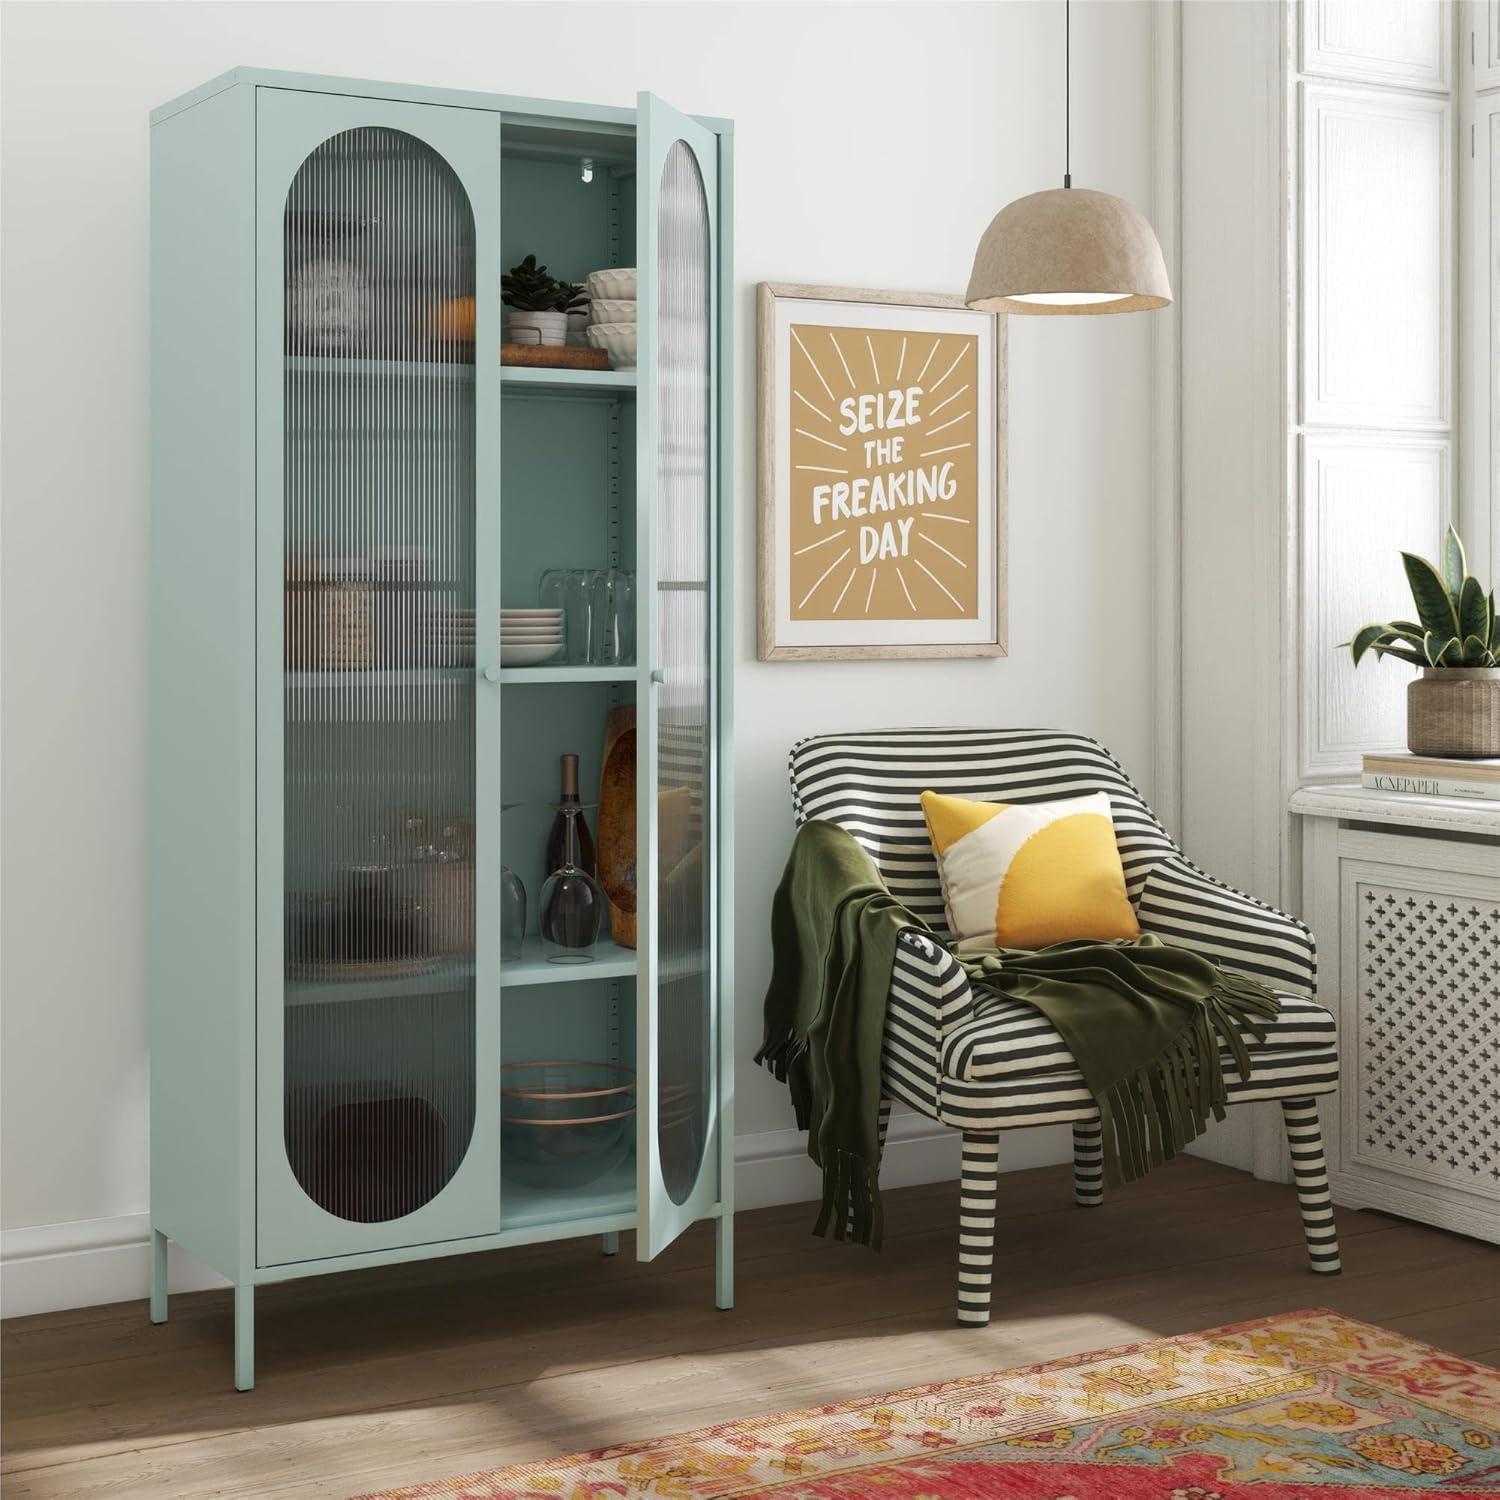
(1454, 711)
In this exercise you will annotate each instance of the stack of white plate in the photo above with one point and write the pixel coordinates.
(447, 637)
(612, 320)
(528, 637)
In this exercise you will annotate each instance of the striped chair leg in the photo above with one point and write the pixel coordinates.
(885, 1121)
(1088, 1162)
(1309, 1168)
(976, 1228)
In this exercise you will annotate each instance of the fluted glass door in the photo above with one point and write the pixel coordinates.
(677, 398)
(373, 1026)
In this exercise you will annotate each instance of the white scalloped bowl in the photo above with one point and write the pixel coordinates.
(617, 283)
(619, 339)
(611, 310)
(528, 655)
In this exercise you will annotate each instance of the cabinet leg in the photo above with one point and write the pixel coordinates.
(158, 1276)
(244, 1338)
(612, 1242)
(724, 1262)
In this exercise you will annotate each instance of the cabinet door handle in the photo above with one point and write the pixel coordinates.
(492, 673)
(658, 674)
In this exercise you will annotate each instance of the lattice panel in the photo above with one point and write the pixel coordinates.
(1429, 1036)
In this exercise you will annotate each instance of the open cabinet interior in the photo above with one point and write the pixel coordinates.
(568, 502)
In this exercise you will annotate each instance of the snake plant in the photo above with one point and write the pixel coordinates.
(1456, 624)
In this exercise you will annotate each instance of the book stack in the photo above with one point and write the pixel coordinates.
(1432, 776)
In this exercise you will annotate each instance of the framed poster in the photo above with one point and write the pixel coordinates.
(882, 475)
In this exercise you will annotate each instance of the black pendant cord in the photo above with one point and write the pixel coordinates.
(1067, 93)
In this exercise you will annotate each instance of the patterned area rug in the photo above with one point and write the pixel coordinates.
(1296, 1407)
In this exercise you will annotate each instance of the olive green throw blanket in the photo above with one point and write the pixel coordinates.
(1143, 1021)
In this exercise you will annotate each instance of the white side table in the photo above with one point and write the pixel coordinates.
(1403, 894)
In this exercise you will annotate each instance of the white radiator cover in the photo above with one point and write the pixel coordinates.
(1403, 894)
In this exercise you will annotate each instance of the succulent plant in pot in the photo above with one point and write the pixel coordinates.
(573, 299)
(1453, 708)
(532, 297)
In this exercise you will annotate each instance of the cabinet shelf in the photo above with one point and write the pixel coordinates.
(408, 369)
(523, 1207)
(519, 378)
(524, 378)
(357, 679)
(440, 979)
(610, 962)
(568, 674)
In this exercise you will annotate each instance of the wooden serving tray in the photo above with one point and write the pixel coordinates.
(554, 357)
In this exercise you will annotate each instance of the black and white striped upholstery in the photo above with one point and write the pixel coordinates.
(1008, 1039)
(869, 783)
(1182, 905)
(985, 1064)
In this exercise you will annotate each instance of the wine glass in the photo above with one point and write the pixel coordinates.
(623, 622)
(573, 903)
(602, 644)
(512, 915)
(550, 592)
(512, 907)
(578, 614)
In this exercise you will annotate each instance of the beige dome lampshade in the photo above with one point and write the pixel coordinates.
(1068, 250)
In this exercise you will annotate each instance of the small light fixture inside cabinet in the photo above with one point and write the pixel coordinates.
(587, 170)
(1068, 250)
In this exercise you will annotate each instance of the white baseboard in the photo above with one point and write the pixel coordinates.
(773, 1167)
(87, 1262)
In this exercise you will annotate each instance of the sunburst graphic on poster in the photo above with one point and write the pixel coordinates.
(882, 475)
(884, 491)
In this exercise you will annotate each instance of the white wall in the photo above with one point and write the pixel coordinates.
(1231, 437)
(873, 144)
(1230, 305)
(1299, 479)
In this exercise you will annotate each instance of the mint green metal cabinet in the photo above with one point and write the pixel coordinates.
(347, 487)
(678, 193)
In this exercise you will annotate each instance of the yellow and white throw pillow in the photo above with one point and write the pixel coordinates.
(1025, 875)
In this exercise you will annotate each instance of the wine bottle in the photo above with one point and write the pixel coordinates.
(557, 839)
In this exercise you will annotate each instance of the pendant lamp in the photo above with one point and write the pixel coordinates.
(1068, 250)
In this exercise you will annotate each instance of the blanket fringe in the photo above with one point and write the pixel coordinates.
(851, 1195)
(785, 1055)
(1150, 1115)
(851, 1200)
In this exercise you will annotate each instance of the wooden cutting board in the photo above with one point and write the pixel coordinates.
(616, 852)
(554, 357)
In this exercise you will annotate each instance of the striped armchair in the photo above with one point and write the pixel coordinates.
(985, 1064)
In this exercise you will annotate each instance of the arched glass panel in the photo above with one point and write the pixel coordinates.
(379, 681)
(684, 497)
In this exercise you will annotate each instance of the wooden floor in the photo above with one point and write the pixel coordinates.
(418, 1372)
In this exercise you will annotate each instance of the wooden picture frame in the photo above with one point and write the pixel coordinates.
(837, 362)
